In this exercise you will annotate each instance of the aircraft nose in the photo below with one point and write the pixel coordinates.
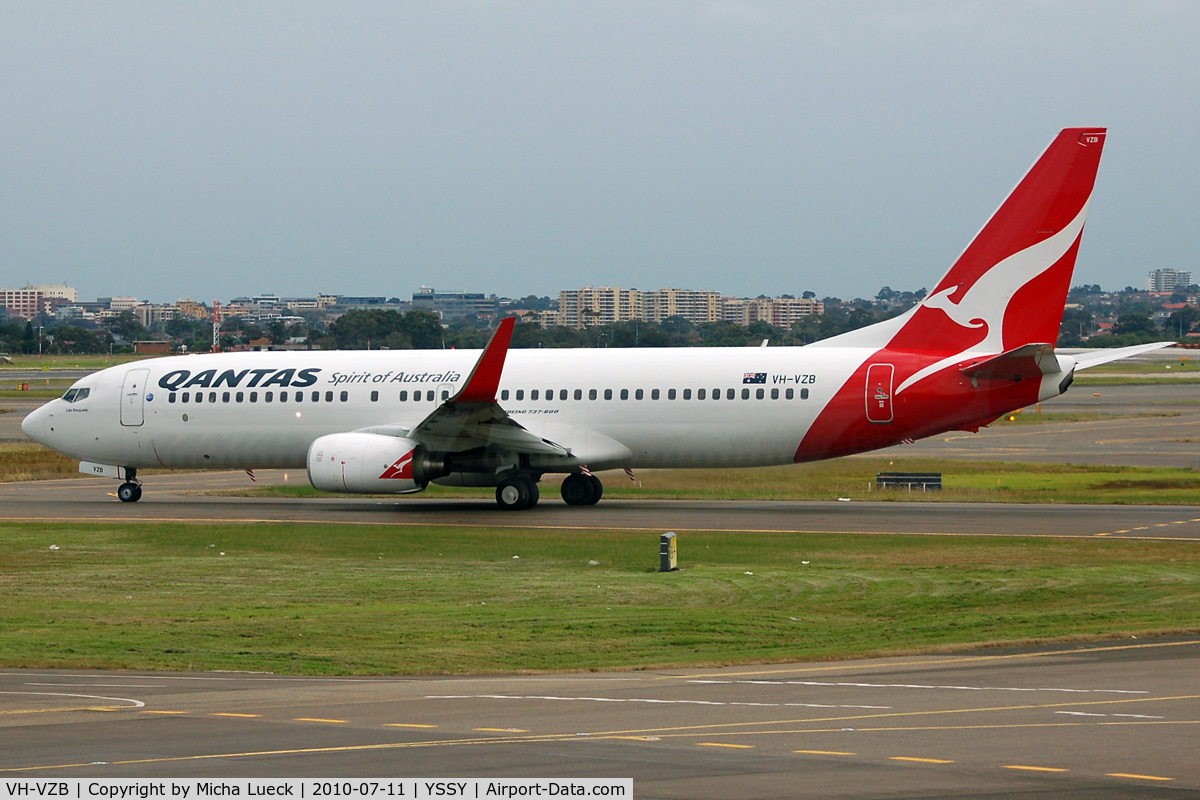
(34, 424)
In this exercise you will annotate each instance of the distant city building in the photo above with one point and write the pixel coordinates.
(1168, 280)
(782, 312)
(57, 291)
(695, 306)
(455, 305)
(192, 309)
(27, 303)
(589, 306)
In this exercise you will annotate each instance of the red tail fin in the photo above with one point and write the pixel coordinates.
(1009, 286)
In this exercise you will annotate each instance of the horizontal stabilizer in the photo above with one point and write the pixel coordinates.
(1027, 361)
(1095, 358)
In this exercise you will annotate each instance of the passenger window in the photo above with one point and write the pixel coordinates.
(774, 394)
(504, 394)
(534, 394)
(687, 394)
(729, 394)
(186, 396)
(240, 396)
(790, 394)
(299, 396)
(316, 397)
(404, 396)
(549, 394)
(254, 397)
(224, 397)
(268, 397)
(283, 397)
(329, 397)
(608, 394)
(591, 394)
(171, 397)
(701, 394)
(429, 395)
(638, 394)
(520, 394)
(562, 394)
(804, 394)
(345, 396)
(579, 394)
(624, 394)
(445, 394)
(199, 397)
(654, 394)
(759, 394)
(670, 394)
(745, 394)
(212, 397)
(374, 397)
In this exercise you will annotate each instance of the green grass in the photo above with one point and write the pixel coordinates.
(340, 599)
(964, 481)
(28, 461)
(68, 361)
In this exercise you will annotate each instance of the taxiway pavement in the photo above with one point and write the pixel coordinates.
(1114, 719)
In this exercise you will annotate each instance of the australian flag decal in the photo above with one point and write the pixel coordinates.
(754, 377)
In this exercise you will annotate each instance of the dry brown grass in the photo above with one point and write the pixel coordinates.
(26, 461)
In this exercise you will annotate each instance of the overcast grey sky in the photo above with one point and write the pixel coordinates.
(170, 150)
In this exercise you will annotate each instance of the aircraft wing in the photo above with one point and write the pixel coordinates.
(472, 418)
(1097, 357)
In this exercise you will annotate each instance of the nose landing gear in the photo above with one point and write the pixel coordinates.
(130, 491)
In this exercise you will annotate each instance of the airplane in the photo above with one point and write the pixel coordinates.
(978, 346)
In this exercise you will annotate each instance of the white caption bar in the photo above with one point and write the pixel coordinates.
(312, 789)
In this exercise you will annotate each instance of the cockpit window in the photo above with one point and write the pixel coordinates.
(75, 395)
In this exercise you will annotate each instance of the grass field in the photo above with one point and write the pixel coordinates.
(342, 599)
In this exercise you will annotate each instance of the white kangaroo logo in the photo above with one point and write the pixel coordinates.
(986, 302)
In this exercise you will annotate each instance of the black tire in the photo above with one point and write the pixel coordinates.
(576, 489)
(513, 493)
(129, 493)
(597, 490)
(534, 493)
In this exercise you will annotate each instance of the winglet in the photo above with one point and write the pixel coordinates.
(485, 376)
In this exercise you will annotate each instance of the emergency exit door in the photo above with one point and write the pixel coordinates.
(879, 392)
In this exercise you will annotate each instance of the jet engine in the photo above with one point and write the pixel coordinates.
(370, 463)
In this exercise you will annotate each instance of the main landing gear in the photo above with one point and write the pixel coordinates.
(579, 489)
(517, 492)
(130, 491)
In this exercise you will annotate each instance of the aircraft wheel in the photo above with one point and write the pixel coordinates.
(514, 494)
(576, 489)
(597, 490)
(129, 493)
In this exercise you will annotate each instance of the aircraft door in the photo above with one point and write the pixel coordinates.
(879, 392)
(133, 391)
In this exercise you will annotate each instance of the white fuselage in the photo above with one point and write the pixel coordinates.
(260, 410)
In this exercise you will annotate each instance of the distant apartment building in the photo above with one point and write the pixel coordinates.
(192, 309)
(1168, 280)
(455, 305)
(589, 306)
(153, 314)
(782, 312)
(695, 306)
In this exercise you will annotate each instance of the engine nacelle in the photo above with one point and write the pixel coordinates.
(370, 463)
